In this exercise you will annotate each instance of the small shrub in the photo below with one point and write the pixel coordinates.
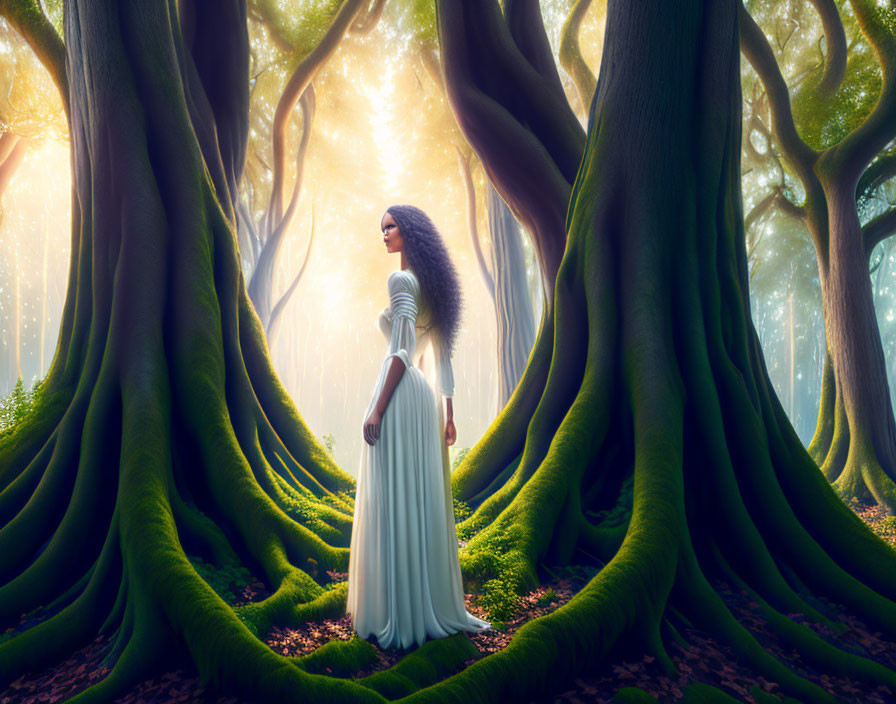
(461, 510)
(499, 599)
(546, 598)
(222, 578)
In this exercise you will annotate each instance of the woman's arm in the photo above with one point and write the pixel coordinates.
(374, 420)
(450, 431)
(393, 376)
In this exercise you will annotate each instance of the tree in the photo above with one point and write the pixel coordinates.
(162, 425)
(837, 162)
(505, 280)
(261, 243)
(655, 373)
(510, 104)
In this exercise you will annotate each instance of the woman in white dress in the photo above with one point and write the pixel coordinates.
(404, 580)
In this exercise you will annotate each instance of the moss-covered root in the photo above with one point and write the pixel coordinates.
(863, 477)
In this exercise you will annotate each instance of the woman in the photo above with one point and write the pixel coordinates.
(404, 580)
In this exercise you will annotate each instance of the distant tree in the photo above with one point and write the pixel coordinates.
(837, 138)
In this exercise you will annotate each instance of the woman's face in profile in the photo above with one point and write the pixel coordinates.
(391, 234)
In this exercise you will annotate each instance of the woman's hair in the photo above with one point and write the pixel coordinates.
(428, 257)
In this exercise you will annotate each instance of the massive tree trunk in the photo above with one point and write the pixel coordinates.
(656, 371)
(511, 107)
(163, 427)
(508, 100)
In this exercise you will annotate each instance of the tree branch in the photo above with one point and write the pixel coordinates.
(788, 207)
(835, 61)
(370, 19)
(301, 77)
(463, 162)
(878, 229)
(856, 151)
(14, 152)
(571, 53)
(29, 20)
(760, 209)
(881, 170)
(277, 311)
(756, 48)
(526, 26)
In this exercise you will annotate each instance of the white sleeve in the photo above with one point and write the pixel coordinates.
(444, 370)
(404, 317)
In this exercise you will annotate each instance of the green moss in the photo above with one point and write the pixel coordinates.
(224, 579)
(461, 510)
(763, 697)
(457, 457)
(423, 666)
(633, 695)
(499, 599)
(496, 572)
(702, 693)
(339, 658)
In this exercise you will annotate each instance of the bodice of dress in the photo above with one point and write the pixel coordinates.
(405, 322)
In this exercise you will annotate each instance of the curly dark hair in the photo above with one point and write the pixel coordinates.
(428, 258)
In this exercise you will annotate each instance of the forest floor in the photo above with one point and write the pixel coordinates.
(703, 660)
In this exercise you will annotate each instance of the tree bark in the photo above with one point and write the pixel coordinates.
(657, 371)
(513, 307)
(163, 427)
(510, 105)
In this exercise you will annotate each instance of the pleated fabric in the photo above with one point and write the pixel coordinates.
(404, 580)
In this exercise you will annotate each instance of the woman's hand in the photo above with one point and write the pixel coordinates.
(450, 432)
(372, 427)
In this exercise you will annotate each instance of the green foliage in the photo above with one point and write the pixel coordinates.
(330, 443)
(499, 599)
(499, 570)
(823, 120)
(15, 407)
(300, 509)
(546, 598)
(468, 530)
(461, 510)
(222, 578)
(415, 19)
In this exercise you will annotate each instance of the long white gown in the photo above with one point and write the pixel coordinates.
(404, 580)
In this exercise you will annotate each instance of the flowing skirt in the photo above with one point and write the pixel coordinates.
(404, 580)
